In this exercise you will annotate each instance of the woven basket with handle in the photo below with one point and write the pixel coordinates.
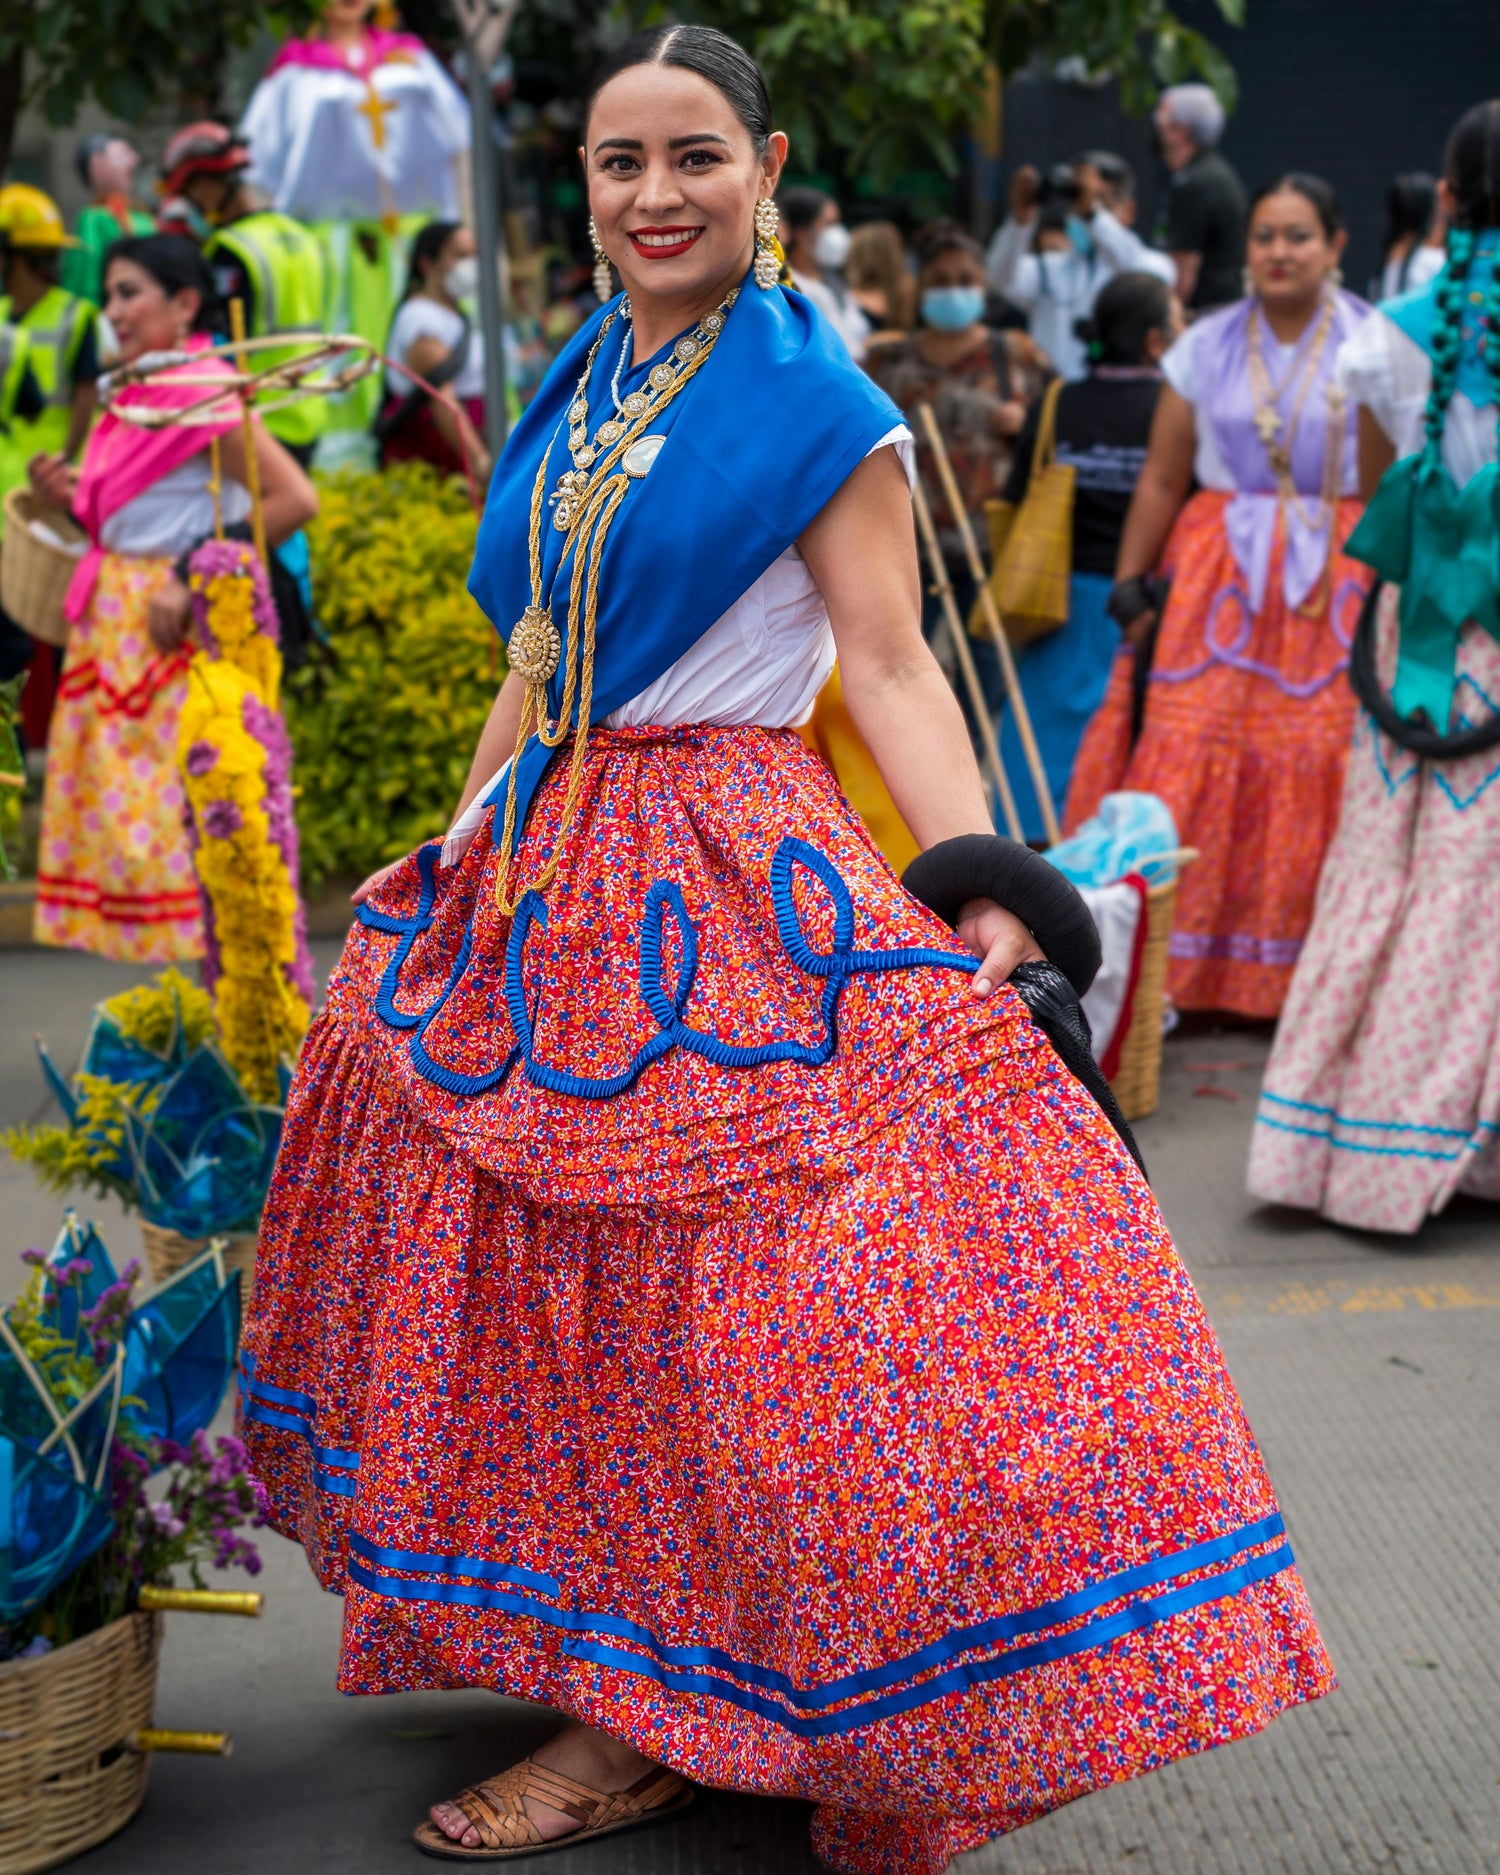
(168, 1251)
(1137, 1081)
(34, 575)
(66, 1779)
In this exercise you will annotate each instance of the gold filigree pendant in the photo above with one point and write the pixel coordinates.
(535, 649)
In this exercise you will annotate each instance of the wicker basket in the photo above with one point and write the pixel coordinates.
(34, 577)
(1137, 1080)
(168, 1251)
(66, 1781)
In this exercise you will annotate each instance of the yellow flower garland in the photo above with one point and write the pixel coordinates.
(243, 872)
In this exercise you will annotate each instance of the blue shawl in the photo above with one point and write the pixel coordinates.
(756, 445)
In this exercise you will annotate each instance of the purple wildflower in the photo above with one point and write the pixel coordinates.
(200, 758)
(222, 819)
(36, 1258)
(217, 557)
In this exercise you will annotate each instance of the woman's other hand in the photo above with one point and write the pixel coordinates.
(1140, 629)
(998, 939)
(167, 615)
(373, 884)
(52, 480)
(1025, 185)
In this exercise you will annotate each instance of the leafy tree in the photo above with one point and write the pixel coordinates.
(126, 54)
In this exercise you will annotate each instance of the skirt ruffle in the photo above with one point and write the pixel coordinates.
(840, 1425)
(1245, 737)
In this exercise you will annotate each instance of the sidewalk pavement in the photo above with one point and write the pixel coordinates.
(1368, 1367)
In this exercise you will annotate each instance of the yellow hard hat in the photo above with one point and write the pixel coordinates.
(30, 218)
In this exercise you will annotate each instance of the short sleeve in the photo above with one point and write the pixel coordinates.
(1180, 368)
(1187, 217)
(904, 443)
(86, 358)
(1380, 367)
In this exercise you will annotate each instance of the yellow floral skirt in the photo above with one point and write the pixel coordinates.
(115, 874)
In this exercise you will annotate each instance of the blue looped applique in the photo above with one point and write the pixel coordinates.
(667, 1005)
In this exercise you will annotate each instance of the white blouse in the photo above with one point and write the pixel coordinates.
(313, 140)
(174, 513)
(1380, 367)
(764, 662)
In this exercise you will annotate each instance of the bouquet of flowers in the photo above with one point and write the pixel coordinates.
(108, 1479)
(156, 1115)
(235, 758)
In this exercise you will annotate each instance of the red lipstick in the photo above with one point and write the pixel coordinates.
(662, 243)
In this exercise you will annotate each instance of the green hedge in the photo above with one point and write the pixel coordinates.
(384, 720)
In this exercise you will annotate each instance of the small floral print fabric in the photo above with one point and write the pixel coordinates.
(115, 872)
(1380, 1100)
(1245, 737)
(698, 1312)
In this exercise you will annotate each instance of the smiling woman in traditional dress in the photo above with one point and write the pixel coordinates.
(695, 1296)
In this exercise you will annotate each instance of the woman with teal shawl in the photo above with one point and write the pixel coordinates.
(1382, 1094)
(694, 1295)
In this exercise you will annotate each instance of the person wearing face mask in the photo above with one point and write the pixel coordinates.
(979, 382)
(817, 246)
(264, 259)
(433, 333)
(1052, 257)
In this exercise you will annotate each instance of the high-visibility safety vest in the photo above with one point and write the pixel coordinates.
(53, 330)
(285, 265)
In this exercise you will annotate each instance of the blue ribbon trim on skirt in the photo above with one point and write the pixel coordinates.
(664, 900)
(674, 1667)
(333, 1466)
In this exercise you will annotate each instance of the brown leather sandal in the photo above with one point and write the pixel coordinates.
(497, 1811)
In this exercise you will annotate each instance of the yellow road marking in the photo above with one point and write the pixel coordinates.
(1356, 1299)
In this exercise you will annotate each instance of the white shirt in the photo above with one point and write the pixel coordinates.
(842, 311)
(174, 513)
(1056, 289)
(764, 662)
(313, 150)
(423, 318)
(1414, 270)
(1390, 374)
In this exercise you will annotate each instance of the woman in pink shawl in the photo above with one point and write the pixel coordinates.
(115, 875)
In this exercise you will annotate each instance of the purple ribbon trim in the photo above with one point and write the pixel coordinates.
(1233, 654)
(1236, 946)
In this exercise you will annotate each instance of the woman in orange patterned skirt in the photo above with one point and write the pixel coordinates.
(1246, 720)
(116, 874)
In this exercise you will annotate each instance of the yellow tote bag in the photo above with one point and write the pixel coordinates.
(1031, 545)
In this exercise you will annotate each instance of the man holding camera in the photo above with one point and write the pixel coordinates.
(1067, 233)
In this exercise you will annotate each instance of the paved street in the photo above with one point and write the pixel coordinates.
(1369, 1370)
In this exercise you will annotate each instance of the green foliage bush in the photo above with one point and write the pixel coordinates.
(385, 718)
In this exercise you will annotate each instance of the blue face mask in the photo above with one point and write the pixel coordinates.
(951, 308)
(1081, 235)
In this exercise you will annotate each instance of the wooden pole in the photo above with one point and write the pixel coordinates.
(943, 586)
(252, 465)
(992, 619)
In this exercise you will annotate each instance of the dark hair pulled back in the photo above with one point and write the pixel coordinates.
(174, 263)
(1471, 166)
(1320, 196)
(1127, 310)
(702, 49)
(1410, 207)
(429, 244)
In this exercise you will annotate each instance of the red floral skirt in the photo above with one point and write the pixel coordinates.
(1245, 737)
(688, 1306)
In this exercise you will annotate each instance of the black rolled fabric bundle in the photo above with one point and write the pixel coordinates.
(982, 865)
(1057, 1012)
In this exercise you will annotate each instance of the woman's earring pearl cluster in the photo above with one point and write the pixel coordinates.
(604, 280)
(768, 256)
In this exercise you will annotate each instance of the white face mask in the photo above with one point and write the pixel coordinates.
(461, 281)
(831, 247)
